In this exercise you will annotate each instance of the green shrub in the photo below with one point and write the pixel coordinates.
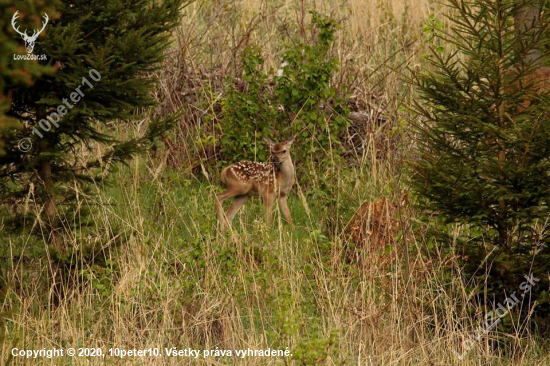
(301, 100)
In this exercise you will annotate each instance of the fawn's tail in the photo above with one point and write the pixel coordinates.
(223, 175)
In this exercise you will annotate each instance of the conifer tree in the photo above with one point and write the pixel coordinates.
(102, 54)
(483, 139)
(15, 73)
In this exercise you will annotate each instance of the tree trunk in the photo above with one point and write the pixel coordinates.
(45, 175)
(525, 22)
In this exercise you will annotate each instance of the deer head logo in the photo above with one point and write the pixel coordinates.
(29, 40)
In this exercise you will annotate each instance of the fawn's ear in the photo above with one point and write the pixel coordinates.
(291, 140)
(269, 143)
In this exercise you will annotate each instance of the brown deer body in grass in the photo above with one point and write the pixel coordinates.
(270, 180)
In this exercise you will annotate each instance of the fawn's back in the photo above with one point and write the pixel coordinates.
(252, 176)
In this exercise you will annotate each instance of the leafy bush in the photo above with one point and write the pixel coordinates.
(298, 98)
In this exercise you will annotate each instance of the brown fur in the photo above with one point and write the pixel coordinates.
(270, 180)
(372, 228)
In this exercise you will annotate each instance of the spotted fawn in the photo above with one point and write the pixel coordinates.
(270, 180)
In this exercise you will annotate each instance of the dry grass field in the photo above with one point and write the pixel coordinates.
(330, 292)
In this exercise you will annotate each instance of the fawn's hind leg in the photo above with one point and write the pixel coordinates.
(235, 206)
(219, 207)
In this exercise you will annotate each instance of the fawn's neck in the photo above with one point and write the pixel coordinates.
(286, 169)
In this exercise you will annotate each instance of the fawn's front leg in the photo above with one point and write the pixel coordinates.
(269, 199)
(286, 211)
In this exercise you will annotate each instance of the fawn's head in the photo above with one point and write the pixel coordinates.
(280, 152)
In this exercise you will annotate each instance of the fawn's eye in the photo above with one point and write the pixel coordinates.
(284, 151)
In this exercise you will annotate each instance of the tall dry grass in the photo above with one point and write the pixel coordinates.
(169, 279)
